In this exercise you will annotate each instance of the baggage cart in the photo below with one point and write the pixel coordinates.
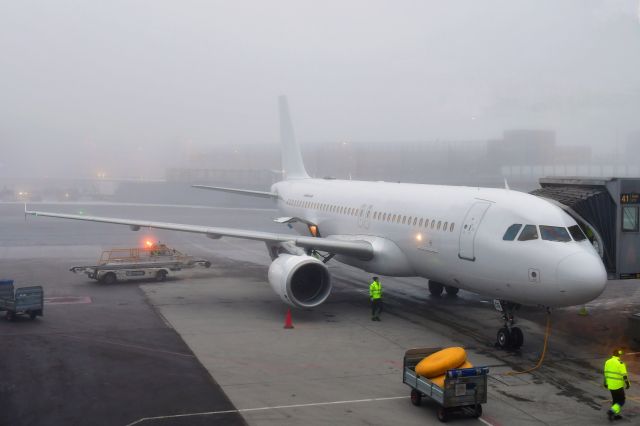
(21, 301)
(155, 262)
(464, 392)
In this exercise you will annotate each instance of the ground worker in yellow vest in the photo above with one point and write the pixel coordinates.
(375, 294)
(616, 380)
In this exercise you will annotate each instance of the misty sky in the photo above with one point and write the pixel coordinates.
(89, 85)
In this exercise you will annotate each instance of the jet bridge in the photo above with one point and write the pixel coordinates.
(608, 211)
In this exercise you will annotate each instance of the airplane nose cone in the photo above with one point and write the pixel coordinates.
(581, 277)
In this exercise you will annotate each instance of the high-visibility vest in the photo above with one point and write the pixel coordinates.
(375, 290)
(614, 373)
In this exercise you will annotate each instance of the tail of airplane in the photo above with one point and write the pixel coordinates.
(292, 164)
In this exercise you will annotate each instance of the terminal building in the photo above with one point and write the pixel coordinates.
(608, 211)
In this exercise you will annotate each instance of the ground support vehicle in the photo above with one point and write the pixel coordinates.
(155, 262)
(21, 301)
(464, 392)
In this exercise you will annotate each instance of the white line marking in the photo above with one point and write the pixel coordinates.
(484, 421)
(276, 407)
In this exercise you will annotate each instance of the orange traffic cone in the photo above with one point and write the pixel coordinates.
(287, 320)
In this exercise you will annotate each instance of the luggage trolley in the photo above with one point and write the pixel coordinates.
(21, 301)
(465, 389)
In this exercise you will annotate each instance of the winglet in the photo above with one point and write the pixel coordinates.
(292, 164)
(506, 184)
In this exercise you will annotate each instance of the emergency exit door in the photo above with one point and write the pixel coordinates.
(469, 228)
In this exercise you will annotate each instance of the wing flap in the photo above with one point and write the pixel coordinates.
(360, 249)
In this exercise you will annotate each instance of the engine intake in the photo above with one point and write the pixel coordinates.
(300, 281)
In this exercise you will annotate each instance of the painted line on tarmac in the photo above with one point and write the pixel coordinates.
(67, 300)
(276, 407)
(126, 345)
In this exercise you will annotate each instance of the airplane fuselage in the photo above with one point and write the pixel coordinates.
(453, 235)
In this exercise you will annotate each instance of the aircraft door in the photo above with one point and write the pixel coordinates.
(367, 217)
(361, 215)
(469, 228)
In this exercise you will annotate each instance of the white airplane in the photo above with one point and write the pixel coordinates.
(508, 245)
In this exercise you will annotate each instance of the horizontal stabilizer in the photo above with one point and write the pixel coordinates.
(260, 194)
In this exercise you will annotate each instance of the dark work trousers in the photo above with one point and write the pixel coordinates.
(618, 396)
(376, 308)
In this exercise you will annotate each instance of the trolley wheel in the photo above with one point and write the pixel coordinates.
(416, 397)
(435, 288)
(109, 278)
(161, 275)
(443, 414)
(33, 315)
(477, 412)
(517, 338)
(504, 338)
(452, 291)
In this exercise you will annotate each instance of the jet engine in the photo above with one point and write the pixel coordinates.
(300, 281)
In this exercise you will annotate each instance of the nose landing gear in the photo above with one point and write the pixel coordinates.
(508, 337)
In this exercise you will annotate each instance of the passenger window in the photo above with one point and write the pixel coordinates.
(393, 219)
(530, 232)
(630, 218)
(404, 220)
(433, 223)
(439, 223)
(577, 233)
(554, 233)
(451, 227)
(512, 231)
(426, 223)
(420, 223)
(415, 220)
(444, 227)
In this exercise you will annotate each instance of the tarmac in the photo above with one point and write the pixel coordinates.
(208, 346)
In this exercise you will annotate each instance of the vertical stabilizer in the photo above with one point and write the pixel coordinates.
(292, 165)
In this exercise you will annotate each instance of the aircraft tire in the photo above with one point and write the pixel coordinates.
(504, 338)
(451, 291)
(435, 288)
(517, 338)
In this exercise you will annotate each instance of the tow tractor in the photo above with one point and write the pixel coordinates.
(154, 261)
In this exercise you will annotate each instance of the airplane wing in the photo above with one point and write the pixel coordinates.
(359, 249)
(260, 194)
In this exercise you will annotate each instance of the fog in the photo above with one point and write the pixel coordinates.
(131, 88)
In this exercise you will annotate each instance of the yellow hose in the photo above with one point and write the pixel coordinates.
(544, 350)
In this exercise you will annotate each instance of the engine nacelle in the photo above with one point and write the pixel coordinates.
(300, 281)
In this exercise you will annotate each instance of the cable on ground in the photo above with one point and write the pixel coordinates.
(547, 333)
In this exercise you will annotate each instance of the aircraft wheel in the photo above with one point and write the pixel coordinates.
(452, 291)
(504, 338)
(517, 338)
(435, 288)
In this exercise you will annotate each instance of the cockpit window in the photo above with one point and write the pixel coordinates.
(554, 233)
(530, 232)
(577, 233)
(512, 231)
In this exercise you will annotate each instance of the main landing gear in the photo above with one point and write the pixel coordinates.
(509, 337)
